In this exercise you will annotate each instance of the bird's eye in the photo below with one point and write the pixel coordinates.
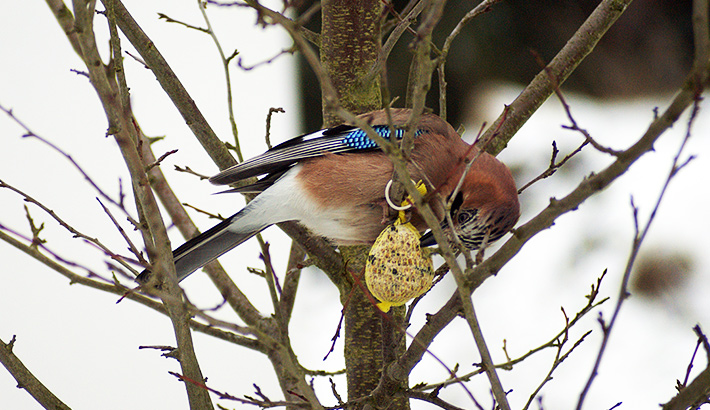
(464, 216)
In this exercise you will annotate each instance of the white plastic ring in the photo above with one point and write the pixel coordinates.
(389, 201)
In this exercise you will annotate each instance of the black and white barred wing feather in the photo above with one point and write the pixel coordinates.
(274, 162)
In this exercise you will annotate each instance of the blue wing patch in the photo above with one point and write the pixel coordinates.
(358, 139)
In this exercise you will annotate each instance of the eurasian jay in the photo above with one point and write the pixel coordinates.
(333, 182)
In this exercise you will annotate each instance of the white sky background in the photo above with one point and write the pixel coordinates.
(84, 347)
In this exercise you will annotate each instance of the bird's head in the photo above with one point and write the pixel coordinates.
(484, 208)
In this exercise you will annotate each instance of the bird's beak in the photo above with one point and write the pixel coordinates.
(427, 239)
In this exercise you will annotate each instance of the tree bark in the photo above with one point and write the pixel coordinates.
(350, 44)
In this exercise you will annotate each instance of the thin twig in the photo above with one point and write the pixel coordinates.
(169, 19)
(562, 65)
(161, 159)
(592, 303)
(112, 287)
(403, 24)
(559, 358)
(264, 403)
(75, 232)
(283, 52)
(267, 136)
(554, 166)
(481, 8)
(26, 380)
(189, 170)
(435, 400)
(227, 76)
(640, 235)
(31, 134)
(704, 341)
(574, 126)
(131, 246)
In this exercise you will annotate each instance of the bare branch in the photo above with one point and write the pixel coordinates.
(162, 157)
(574, 127)
(265, 403)
(554, 166)
(635, 248)
(561, 66)
(26, 380)
(696, 392)
(173, 87)
(169, 19)
(228, 79)
(403, 24)
(76, 233)
(113, 93)
(189, 170)
(267, 136)
(114, 287)
(285, 51)
(31, 134)
(559, 358)
(435, 400)
(481, 8)
(134, 250)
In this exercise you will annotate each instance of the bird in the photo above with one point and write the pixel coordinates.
(333, 182)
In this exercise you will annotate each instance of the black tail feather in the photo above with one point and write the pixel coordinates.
(203, 248)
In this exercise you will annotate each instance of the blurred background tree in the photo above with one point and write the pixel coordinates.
(648, 51)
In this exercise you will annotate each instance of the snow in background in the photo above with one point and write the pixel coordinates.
(84, 346)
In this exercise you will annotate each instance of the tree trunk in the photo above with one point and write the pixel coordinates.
(350, 43)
